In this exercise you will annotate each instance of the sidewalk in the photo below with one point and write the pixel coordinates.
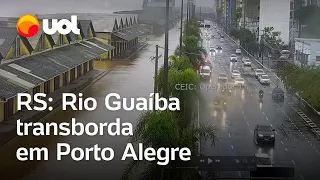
(8, 127)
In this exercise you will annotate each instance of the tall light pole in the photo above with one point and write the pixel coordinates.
(181, 27)
(166, 58)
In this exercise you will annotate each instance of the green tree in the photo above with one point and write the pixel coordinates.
(160, 129)
(305, 80)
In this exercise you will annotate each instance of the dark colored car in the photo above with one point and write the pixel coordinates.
(264, 134)
(277, 94)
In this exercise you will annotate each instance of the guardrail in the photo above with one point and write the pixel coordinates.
(315, 111)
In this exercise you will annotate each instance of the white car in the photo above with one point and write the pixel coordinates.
(239, 82)
(205, 72)
(223, 77)
(258, 72)
(235, 73)
(238, 51)
(264, 79)
(246, 61)
(212, 49)
(233, 58)
(221, 40)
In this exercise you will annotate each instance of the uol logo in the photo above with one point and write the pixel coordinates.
(28, 26)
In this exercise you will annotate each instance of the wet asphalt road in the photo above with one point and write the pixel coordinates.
(129, 79)
(295, 146)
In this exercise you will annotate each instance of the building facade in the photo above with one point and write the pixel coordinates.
(307, 52)
(45, 63)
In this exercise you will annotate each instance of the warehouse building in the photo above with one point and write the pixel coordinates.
(119, 30)
(43, 63)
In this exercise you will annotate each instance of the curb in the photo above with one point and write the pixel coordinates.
(315, 111)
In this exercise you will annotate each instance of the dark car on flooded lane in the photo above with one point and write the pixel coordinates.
(264, 134)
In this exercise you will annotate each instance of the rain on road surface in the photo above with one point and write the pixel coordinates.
(295, 146)
(129, 79)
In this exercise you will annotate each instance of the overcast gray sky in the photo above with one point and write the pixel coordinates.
(21, 7)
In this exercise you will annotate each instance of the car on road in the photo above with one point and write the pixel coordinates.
(223, 77)
(264, 79)
(212, 49)
(220, 103)
(233, 58)
(235, 73)
(226, 88)
(205, 72)
(239, 82)
(219, 49)
(221, 40)
(277, 94)
(212, 37)
(264, 134)
(246, 61)
(258, 72)
(263, 160)
(238, 51)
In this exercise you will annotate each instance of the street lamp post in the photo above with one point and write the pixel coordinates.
(166, 58)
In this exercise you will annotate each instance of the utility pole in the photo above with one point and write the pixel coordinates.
(200, 13)
(187, 17)
(292, 26)
(244, 14)
(155, 90)
(166, 58)
(181, 28)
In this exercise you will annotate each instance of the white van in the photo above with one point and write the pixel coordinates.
(205, 72)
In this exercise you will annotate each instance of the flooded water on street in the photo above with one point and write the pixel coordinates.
(129, 79)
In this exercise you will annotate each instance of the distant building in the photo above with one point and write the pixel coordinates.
(307, 51)
(154, 13)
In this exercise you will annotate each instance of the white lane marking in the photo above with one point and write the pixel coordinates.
(286, 149)
(271, 125)
(229, 135)
(232, 146)
(276, 132)
(293, 162)
(242, 111)
(301, 176)
(248, 123)
(226, 125)
(245, 117)
(239, 173)
(267, 119)
(251, 131)
(281, 142)
(263, 113)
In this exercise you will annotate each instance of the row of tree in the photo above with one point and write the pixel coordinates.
(305, 80)
(174, 129)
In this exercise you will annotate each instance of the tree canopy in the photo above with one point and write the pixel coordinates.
(305, 80)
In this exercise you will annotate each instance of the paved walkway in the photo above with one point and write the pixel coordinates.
(8, 127)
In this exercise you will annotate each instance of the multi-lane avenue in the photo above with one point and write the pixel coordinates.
(295, 146)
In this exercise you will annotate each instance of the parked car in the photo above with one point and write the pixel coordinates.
(233, 58)
(235, 73)
(264, 133)
(219, 49)
(264, 79)
(238, 51)
(221, 40)
(258, 72)
(246, 61)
